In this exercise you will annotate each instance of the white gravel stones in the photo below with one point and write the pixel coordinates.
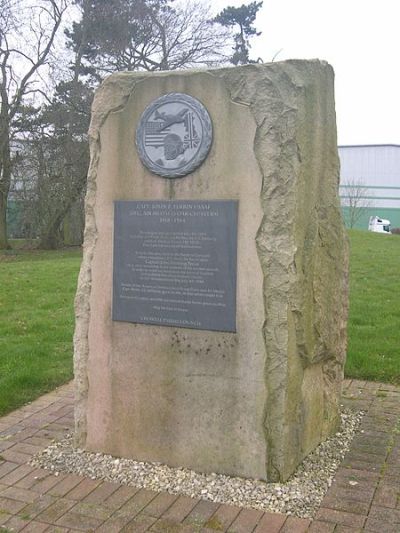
(300, 496)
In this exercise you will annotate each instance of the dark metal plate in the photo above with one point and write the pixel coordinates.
(175, 263)
(174, 135)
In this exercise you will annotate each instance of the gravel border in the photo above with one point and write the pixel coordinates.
(300, 496)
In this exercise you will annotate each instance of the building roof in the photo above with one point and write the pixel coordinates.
(368, 145)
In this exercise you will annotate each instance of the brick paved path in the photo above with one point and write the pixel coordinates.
(365, 495)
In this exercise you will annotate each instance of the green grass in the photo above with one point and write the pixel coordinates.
(36, 316)
(374, 321)
(36, 323)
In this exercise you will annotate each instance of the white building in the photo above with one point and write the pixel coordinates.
(370, 177)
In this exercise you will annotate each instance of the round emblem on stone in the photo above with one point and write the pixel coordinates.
(174, 135)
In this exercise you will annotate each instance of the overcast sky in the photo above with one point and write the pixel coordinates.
(359, 38)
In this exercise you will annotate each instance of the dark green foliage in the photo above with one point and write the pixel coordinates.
(68, 114)
(111, 26)
(243, 17)
(116, 35)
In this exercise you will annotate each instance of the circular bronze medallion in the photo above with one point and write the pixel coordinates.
(174, 135)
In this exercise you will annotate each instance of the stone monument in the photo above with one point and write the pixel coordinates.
(212, 299)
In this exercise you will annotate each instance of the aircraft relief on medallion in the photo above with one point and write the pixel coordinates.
(174, 135)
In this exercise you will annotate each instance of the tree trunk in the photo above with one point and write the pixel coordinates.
(5, 156)
(5, 159)
(50, 238)
(50, 241)
(5, 180)
(3, 222)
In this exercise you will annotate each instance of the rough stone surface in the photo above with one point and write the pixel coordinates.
(254, 403)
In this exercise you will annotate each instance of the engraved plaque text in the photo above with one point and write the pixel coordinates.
(175, 263)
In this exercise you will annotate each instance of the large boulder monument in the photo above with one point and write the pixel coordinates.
(212, 299)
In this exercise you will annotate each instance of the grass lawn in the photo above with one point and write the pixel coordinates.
(36, 323)
(374, 322)
(36, 316)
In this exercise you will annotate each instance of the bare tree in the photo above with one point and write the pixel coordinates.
(60, 179)
(357, 200)
(27, 33)
(184, 37)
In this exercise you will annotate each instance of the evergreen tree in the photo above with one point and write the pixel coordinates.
(243, 17)
(146, 35)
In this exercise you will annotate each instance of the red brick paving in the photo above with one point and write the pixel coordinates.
(201, 513)
(295, 525)
(65, 485)
(223, 517)
(180, 509)
(247, 520)
(119, 497)
(270, 523)
(365, 494)
(322, 527)
(161, 503)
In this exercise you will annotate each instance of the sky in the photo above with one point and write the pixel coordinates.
(359, 38)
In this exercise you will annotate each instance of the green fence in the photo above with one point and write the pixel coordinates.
(391, 214)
